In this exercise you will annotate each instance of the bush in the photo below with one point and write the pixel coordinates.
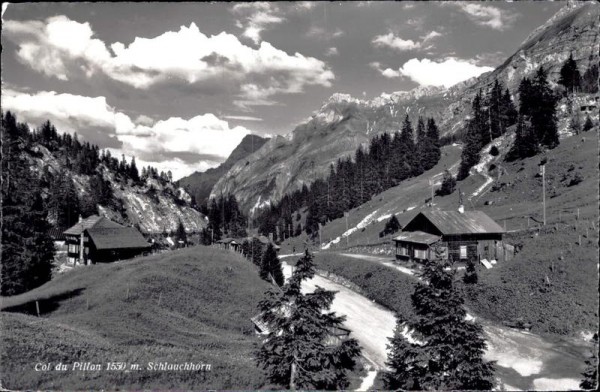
(391, 226)
(494, 151)
(448, 185)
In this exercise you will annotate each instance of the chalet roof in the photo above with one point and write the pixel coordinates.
(468, 222)
(117, 238)
(417, 237)
(89, 222)
(56, 234)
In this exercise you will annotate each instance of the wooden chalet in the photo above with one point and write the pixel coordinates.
(460, 235)
(230, 243)
(97, 239)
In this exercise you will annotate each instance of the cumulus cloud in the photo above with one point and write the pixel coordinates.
(59, 47)
(486, 15)
(426, 72)
(332, 51)
(431, 35)
(390, 40)
(257, 17)
(323, 33)
(185, 144)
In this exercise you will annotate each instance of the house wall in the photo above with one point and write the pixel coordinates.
(410, 250)
(73, 243)
(486, 246)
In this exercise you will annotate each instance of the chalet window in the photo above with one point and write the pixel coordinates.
(73, 248)
(420, 254)
(463, 251)
(402, 251)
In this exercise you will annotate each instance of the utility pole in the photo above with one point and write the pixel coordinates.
(348, 235)
(544, 191)
(432, 181)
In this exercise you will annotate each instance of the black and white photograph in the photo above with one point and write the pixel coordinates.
(300, 195)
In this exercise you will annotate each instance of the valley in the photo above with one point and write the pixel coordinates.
(444, 236)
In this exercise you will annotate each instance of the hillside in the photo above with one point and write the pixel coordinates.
(192, 305)
(153, 203)
(558, 260)
(199, 184)
(343, 123)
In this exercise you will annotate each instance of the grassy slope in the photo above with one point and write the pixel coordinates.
(379, 283)
(206, 299)
(518, 288)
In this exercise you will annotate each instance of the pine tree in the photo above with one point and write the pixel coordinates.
(64, 201)
(407, 141)
(447, 351)
(295, 353)
(448, 184)
(590, 375)
(476, 127)
(27, 249)
(391, 226)
(133, 171)
(569, 75)
(589, 82)
(270, 267)
(181, 235)
(526, 143)
(508, 112)
(543, 110)
(433, 138)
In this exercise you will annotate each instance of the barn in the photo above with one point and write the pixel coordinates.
(97, 239)
(460, 236)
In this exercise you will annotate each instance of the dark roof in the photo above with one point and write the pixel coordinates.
(117, 238)
(468, 222)
(417, 237)
(89, 222)
(56, 234)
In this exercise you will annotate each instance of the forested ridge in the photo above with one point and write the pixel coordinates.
(389, 159)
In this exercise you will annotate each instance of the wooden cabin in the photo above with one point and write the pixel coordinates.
(459, 235)
(97, 239)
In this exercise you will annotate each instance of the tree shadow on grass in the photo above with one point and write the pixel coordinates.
(46, 305)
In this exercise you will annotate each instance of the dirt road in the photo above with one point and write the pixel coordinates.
(370, 323)
(525, 361)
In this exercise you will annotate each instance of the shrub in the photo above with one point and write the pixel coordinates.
(391, 226)
(448, 185)
(494, 151)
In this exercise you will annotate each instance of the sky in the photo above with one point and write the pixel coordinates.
(178, 85)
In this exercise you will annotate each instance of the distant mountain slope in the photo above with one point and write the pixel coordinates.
(343, 122)
(199, 184)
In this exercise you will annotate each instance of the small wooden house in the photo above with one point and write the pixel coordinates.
(97, 239)
(459, 235)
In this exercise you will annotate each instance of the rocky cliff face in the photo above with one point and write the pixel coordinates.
(152, 212)
(200, 184)
(343, 122)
